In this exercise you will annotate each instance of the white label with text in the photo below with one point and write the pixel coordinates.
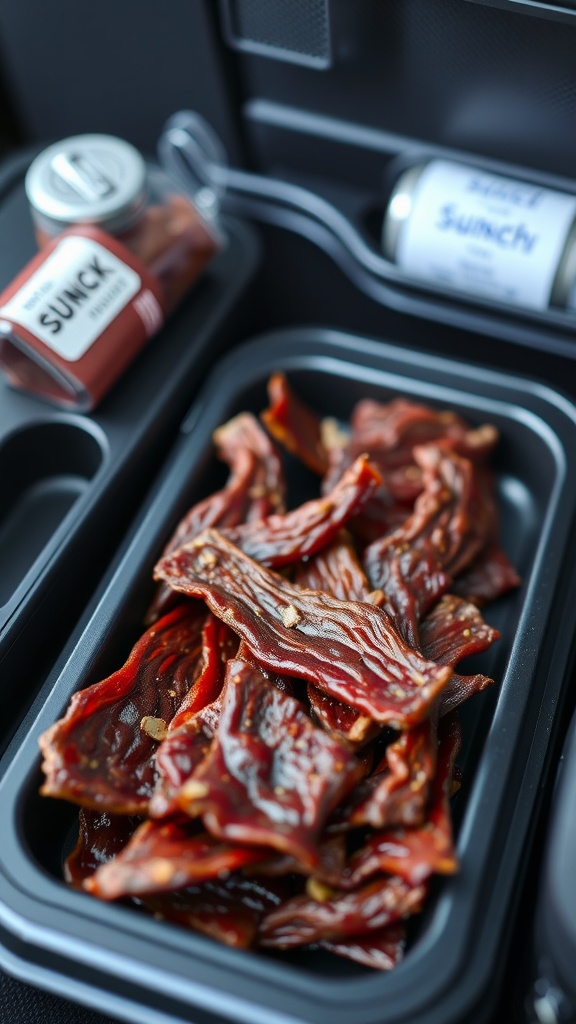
(73, 296)
(485, 234)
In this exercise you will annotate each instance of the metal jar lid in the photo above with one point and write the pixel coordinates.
(87, 179)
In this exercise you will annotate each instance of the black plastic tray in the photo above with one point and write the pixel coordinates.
(553, 983)
(70, 483)
(143, 970)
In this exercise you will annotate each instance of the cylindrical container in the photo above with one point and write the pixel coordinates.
(483, 234)
(119, 249)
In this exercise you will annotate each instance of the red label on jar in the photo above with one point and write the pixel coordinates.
(80, 311)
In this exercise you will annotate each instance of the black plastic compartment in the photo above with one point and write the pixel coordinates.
(146, 971)
(553, 984)
(71, 483)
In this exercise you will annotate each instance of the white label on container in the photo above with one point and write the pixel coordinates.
(485, 234)
(73, 296)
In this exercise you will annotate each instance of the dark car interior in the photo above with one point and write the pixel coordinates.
(302, 117)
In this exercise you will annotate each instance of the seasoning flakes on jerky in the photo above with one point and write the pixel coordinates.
(396, 792)
(415, 853)
(101, 754)
(270, 777)
(349, 649)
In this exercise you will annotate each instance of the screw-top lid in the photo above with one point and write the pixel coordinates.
(87, 179)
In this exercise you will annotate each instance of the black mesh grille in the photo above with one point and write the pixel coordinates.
(285, 29)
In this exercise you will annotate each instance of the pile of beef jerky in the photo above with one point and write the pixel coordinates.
(274, 763)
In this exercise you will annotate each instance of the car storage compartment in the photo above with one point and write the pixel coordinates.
(72, 482)
(122, 962)
(49, 466)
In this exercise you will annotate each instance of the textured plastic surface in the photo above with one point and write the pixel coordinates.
(144, 970)
(555, 930)
(69, 479)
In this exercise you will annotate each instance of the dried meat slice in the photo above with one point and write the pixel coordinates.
(488, 577)
(388, 433)
(255, 488)
(449, 526)
(101, 753)
(337, 570)
(270, 777)
(302, 920)
(178, 755)
(381, 950)
(349, 649)
(455, 629)
(283, 539)
(267, 491)
(166, 856)
(415, 853)
(294, 425)
(193, 726)
(394, 428)
(228, 910)
(100, 837)
(410, 580)
(396, 792)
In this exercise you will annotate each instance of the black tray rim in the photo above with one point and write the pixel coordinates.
(284, 349)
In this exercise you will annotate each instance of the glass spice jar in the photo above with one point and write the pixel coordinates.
(120, 247)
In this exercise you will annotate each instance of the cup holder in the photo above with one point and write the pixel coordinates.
(46, 469)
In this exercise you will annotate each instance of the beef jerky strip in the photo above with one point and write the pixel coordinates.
(282, 539)
(394, 428)
(397, 791)
(294, 425)
(192, 729)
(488, 577)
(100, 837)
(388, 433)
(413, 564)
(165, 856)
(190, 735)
(349, 649)
(463, 518)
(255, 488)
(101, 753)
(302, 920)
(178, 755)
(219, 644)
(382, 950)
(337, 571)
(415, 853)
(410, 580)
(453, 630)
(270, 777)
(328, 871)
(228, 910)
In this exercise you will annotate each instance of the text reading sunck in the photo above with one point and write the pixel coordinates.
(75, 296)
(503, 234)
